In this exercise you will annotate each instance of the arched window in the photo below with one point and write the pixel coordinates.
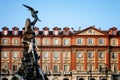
(81, 79)
(65, 79)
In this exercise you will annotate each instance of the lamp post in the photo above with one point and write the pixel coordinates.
(90, 72)
(106, 70)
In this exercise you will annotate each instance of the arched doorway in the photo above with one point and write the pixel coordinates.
(104, 79)
(81, 79)
(65, 79)
(4, 79)
(92, 79)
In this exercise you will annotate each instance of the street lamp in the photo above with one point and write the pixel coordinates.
(106, 70)
(90, 72)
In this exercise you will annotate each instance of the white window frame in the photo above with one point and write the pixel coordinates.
(46, 68)
(15, 54)
(15, 32)
(45, 55)
(55, 55)
(101, 41)
(56, 68)
(45, 33)
(79, 54)
(66, 68)
(101, 54)
(5, 54)
(90, 41)
(90, 55)
(16, 41)
(5, 32)
(56, 32)
(113, 55)
(36, 32)
(56, 41)
(66, 42)
(79, 41)
(5, 41)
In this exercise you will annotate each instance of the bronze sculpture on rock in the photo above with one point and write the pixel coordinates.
(29, 70)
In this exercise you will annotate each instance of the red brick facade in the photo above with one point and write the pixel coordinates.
(65, 51)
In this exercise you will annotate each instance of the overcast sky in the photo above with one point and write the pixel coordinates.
(103, 14)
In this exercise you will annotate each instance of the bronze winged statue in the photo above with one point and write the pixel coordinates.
(33, 14)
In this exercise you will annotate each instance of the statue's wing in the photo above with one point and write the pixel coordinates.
(30, 8)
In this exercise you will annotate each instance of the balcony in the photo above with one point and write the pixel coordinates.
(67, 73)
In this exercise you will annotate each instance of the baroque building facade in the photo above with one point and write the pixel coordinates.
(65, 54)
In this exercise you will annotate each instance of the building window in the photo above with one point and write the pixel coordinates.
(90, 67)
(90, 54)
(16, 41)
(5, 54)
(101, 54)
(79, 54)
(79, 41)
(56, 33)
(66, 68)
(66, 55)
(36, 41)
(90, 41)
(113, 32)
(115, 68)
(55, 68)
(45, 55)
(113, 55)
(113, 42)
(66, 42)
(79, 67)
(5, 32)
(5, 41)
(15, 54)
(45, 32)
(4, 66)
(101, 41)
(46, 41)
(46, 68)
(14, 68)
(55, 41)
(56, 55)
(36, 32)
(15, 32)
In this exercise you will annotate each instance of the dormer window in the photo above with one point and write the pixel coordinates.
(45, 32)
(56, 32)
(5, 32)
(113, 32)
(15, 32)
(66, 33)
(36, 32)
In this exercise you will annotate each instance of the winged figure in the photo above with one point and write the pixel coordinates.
(33, 13)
